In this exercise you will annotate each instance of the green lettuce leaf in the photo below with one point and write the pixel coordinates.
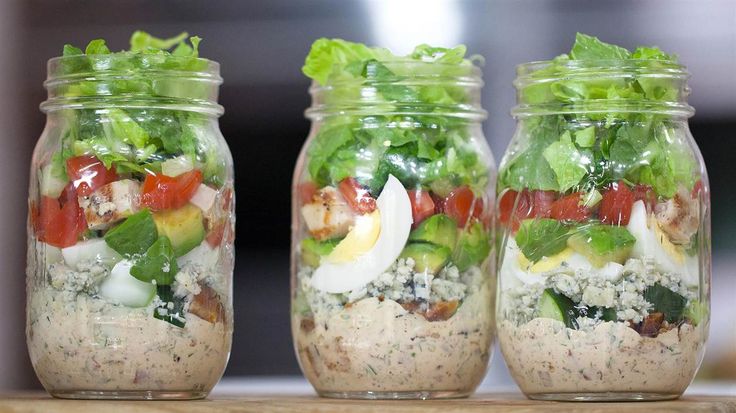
(566, 161)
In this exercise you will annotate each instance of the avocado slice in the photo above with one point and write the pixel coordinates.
(313, 250)
(184, 227)
(558, 307)
(427, 257)
(602, 244)
(438, 229)
(473, 246)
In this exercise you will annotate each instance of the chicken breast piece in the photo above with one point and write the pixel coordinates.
(328, 216)
(110, 203)
(679, 217)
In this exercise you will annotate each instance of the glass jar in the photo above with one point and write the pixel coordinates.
(130, 231)
(604, 233)
(392, 285)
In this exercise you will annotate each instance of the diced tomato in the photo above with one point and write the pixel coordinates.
(570, 208)
(164, 192)
(697, 189)
(422, 205)
(439, 203)
(462, 205)
(615, 208)
(214, 237)
(60, 221)
(645, 193)
(88, 173)
(530, 204)
(358, 197)
(218, 232)
(306, 191)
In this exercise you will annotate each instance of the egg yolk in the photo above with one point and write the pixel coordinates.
(361, 238)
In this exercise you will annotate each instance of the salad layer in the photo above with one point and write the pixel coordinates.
(602, 214)
(394, 217)
(131, 218)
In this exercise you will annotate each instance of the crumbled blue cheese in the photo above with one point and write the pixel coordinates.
(625, 293)
(72, 282)
(399, 283)
(185, 283)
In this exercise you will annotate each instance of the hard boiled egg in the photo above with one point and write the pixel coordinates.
(371, 246)
(652, 243)
(517, 268)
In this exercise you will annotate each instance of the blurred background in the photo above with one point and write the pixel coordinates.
(261, 46)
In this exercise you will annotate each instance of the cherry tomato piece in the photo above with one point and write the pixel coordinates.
(570, 208)
(615, 208)
(358, 197)
(422, 205)
(88, 173)
(462, 205)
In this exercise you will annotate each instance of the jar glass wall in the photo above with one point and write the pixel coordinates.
(604, 233)
(391, 235)
(130, 234)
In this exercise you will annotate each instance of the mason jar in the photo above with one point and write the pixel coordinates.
(604, 233)
(130, 231)
(392, 213)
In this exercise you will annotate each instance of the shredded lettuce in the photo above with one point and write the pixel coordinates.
(136, 140)
(586, 149)
(418, 149)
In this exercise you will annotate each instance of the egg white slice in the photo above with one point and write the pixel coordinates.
(652, 243)
(396, 219)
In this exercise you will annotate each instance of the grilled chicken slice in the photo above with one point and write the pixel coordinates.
(678, 217)
(328, 216)
(207, 305)
(110, 203)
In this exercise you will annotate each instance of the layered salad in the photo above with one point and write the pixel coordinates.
(131, 225)
(604, 257)
(392, 286)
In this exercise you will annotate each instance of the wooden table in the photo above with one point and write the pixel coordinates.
(293, 395)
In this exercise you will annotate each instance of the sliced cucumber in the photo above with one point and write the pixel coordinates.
(558, 307)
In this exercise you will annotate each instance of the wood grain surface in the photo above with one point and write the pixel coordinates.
(42, 403)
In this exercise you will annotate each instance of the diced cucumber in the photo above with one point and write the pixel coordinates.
(607, 313)
(558, 307)
(666, 301)
(427, 257)
(52, 180)
(204, 255)
(174, 315)
(438, 229)
(122, 288)
(176, 166)
(92, 250)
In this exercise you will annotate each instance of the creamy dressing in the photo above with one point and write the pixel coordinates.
(545, 357)
(378, 346)
(85, 343)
